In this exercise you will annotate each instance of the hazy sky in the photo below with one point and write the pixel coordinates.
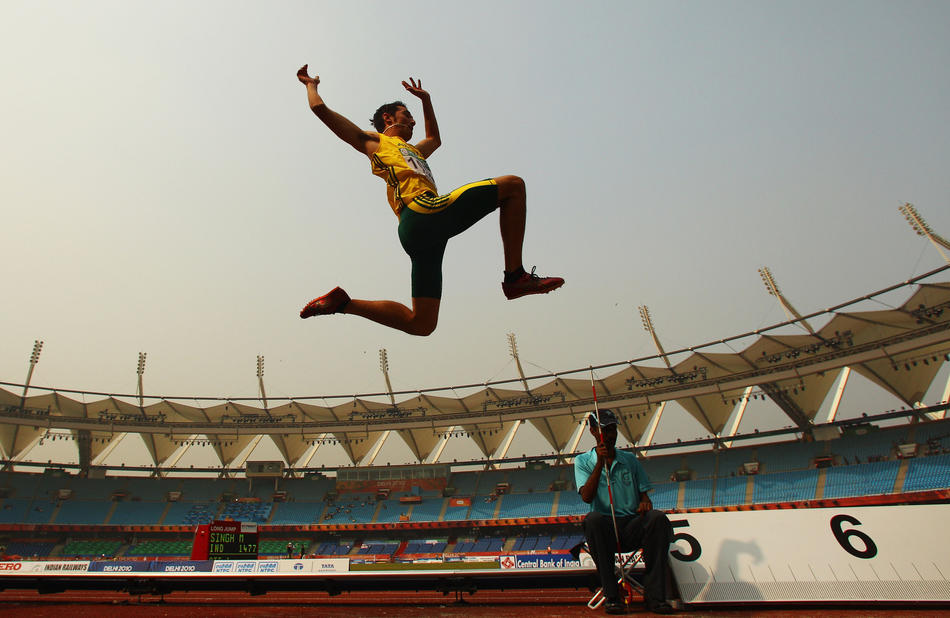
(165, 188)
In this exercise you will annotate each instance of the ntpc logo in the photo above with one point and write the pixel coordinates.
(10, 566)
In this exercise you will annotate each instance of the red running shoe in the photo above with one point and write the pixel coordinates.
(334, 301)
(530, 283)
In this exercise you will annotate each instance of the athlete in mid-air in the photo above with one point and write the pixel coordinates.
(427, 219)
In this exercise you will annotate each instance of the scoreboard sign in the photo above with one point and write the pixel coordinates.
(232, 540)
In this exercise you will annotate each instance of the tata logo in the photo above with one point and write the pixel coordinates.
(10, 566)
(327, 565)
(298, 566)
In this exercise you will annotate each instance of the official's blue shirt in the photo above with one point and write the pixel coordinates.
(627, 481)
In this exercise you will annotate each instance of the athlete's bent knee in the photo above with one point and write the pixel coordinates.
(422, 328)
(510, 186)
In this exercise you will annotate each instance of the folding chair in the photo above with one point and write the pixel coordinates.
(624, 573)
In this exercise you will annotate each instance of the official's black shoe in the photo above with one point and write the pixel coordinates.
(661, 608)
(615, 606)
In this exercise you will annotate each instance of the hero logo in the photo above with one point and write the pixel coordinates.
(10, 566)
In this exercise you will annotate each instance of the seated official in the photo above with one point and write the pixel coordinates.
(639, 524)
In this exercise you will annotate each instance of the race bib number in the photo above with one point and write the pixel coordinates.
(417, 164)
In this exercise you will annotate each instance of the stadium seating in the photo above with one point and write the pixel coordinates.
(526, 505)
(137, 513)
(29, 549)
(351, 508)
(257, 512)
(278, 547)
(570, 503)
(428, 510)
(332, 548)
(91, 549)
(861, 479)
(925, 473)
(392, 510)
(785, 486)
(289, 513)
(731, 490)
(15, 510)
(160, 548)
(698, 494)
(664, 496)
(83, 512)
(190, 514)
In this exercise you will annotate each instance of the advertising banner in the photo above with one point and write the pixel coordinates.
(283, 567)
(53, 568)
(539, 561)
(117, 566)
(181, 566)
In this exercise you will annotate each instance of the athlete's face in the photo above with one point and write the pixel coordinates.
(403, 122)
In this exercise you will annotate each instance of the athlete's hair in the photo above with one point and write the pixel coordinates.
(388, 108)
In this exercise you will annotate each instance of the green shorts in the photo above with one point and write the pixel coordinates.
(425, 235)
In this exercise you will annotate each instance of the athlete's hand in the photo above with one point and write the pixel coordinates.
(415, 88)
(306, 79)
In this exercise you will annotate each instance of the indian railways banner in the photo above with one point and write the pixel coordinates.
(873, 553)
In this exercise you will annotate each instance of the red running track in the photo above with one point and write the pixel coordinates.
(488, 603)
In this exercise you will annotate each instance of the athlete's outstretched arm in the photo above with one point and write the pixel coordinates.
(432, 140)
(363, 141)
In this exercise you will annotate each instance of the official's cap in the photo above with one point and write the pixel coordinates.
(606, 418)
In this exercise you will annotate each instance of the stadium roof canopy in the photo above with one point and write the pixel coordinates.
(900, 350)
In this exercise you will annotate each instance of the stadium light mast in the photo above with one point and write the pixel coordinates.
(260, 380)
(140, 392)
(513, 350)
(384, 367)
(140, 371)
(920, 226)
(773, 290)
(647, 438)
(34, 358)
(510, 438)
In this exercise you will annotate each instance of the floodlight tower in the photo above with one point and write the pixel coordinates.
(140, 392)
(384, 367)
(260, 380)
(920, 226)
(513, 350)
(647, 438)
(773, 289)
(140, 371)
(34, 358)
(510, 438)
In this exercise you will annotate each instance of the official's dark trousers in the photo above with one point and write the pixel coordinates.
(651, 531)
